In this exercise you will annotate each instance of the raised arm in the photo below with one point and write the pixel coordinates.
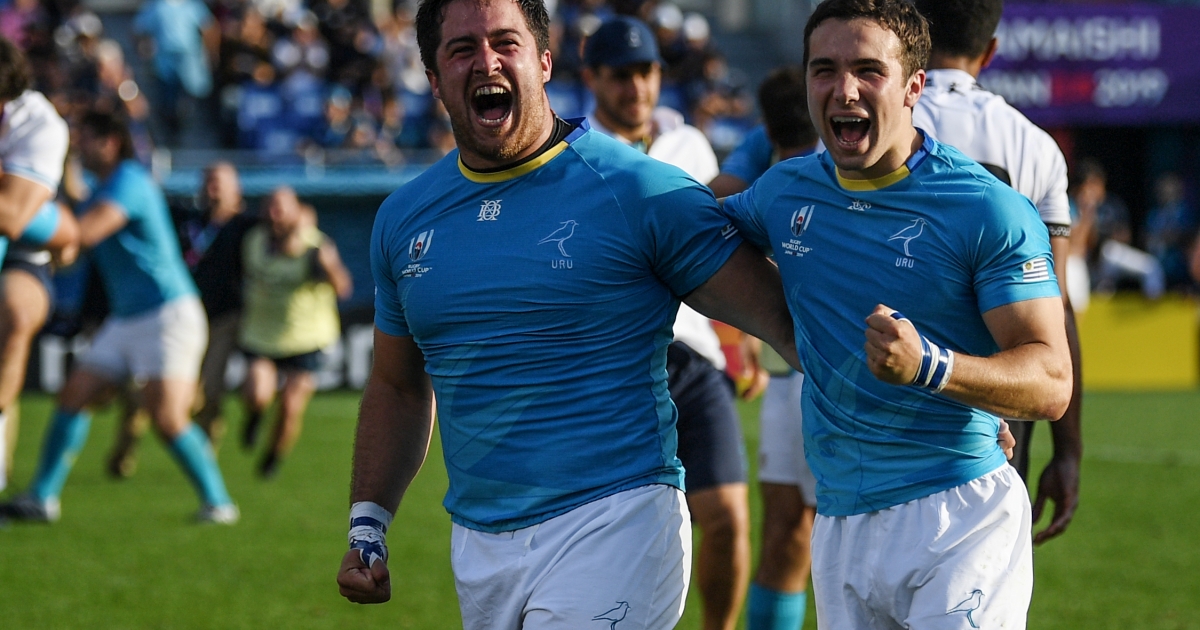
(1030, 378)
(747, 293)
(395, 421)
(333, 269)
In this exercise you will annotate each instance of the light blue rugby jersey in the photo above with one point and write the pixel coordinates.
(140, 264)
(941, 245)
(543, 298)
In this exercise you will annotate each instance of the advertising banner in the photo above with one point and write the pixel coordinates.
(1099, 64)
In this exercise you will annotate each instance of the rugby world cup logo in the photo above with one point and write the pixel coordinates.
(419, 246)
(801, 219)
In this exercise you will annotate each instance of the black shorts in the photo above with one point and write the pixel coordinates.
(1022, 430)
(710, 434)
(307, 362)
(40, 272)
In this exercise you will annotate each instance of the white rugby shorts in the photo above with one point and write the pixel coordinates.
(167, 342)
(619, 562)
(954, 560)
(781, 437)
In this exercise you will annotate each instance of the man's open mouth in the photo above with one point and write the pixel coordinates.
(850, 130)
(492, 103)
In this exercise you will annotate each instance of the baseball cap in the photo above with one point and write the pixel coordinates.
(621, 41)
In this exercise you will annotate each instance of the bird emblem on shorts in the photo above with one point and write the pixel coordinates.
(909, 233)
(969, 605)
(561, 234)
(615, 616)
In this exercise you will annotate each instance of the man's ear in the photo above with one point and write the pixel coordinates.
(547, 66)
(916, 85)
(433, 84)
(990, 53)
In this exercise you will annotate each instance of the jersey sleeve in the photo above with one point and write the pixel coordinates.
(743, 212)
(684, 233)
(1013, 256)
(751, 158)
(124, 191)
(1053, 204)
(38, 153)
(389, 313)
(42, 227)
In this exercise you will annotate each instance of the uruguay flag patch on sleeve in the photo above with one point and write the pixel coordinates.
(1035, 270)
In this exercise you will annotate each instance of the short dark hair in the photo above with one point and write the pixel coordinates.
(106, 124)
(961, 27)
(897, 16)
(431, 14)
(15, 76)
(784, 104)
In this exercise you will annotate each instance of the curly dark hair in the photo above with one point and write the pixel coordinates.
(961, 27)
(897, 16)
(15, 76)
(431, 13)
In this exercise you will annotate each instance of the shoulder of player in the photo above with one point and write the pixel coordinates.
(627, 170)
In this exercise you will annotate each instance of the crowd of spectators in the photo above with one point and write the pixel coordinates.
(1106, 257)
(287, 77)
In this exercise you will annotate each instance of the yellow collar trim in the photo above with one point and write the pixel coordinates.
(879, 183)
(514, 172)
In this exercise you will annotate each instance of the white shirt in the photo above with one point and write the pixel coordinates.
(954, 110)
(686, 147)
(33, 140)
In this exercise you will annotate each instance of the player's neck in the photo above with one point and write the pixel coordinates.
(943, 61)
(891, 161)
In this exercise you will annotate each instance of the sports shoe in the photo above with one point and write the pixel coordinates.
(28, 508)
(227, 514)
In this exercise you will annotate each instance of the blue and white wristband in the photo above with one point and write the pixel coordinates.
(369, 523)
(937, 363)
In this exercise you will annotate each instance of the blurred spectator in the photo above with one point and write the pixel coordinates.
(179, 36)
(1102, 234)
(116, 91)
(17, 19)
(303, 50)
(353, 41)
(293, 279)
(400, 54)
(1169, 228)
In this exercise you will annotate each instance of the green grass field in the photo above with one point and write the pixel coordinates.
(125, 555)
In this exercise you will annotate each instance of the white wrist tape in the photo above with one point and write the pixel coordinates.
(937, 363)
(369, 523)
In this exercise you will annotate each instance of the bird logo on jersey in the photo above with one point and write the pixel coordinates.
(909, 233)
(419, 246)
(800, 220)
(560, 235)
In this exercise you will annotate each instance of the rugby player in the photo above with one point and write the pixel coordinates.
(154, 337)
(531, 279)
(33, 148)
(946, 271)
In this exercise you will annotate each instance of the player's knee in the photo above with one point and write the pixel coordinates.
(722, 514)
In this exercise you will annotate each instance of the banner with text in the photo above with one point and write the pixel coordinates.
(1105, 64)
